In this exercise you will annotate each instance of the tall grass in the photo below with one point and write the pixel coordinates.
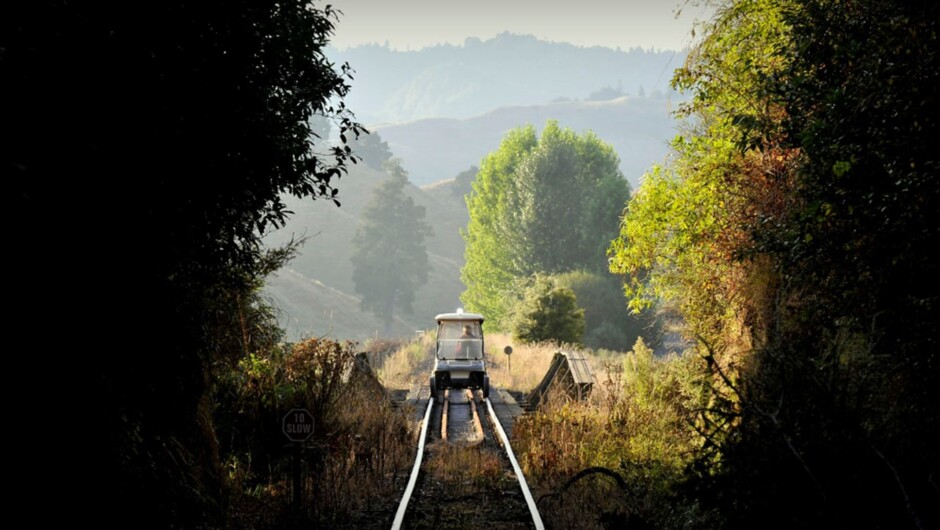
(408, 365)
(618, 456)
(360, 449)
(523, 369)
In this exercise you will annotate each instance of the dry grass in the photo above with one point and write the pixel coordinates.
(522, 370)
(635, 426)
(350, 467)
(411, 363)
(347, 477)
(530, 363)
(362, 468)
(407, 366)
(463, 470)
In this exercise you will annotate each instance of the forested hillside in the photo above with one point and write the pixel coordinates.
(443, 108)
(315, 292)
(449, 81)
(638, 128)
(316, 296)
(623, 97)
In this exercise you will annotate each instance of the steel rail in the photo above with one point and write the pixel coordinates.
(415, 471)
(444, 414)
(504, 441)
(533, 510)
(477, 424)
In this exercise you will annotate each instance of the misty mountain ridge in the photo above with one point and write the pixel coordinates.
(449, 81)
(315, 294)
(441, 110)
(638, 128)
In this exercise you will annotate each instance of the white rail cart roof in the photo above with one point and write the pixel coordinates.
(460, 315)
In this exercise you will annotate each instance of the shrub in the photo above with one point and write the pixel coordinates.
(608, 322)
(548, 313)
(619, 458)
(359, 446)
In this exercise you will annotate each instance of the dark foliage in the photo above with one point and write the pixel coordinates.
(356, 443)
(147, 146)
(608, 323)
(463, 182)
(840, 425)
(373, 151)
(548, 312)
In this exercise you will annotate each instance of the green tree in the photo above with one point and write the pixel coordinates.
(489, 267)
(389, 258)
(373, 151)
(463, 182)
(608, 323)
(156, 143)
(860, 98)
(790, 228)
(548, 312)
(539, 205)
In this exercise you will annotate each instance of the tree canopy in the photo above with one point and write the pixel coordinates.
(389, 259)
(148, 149)
(548, 312)
(543, 204)
(608, 323)
(793, 228)
(372, 149)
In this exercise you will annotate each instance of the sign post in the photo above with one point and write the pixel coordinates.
(298, 427)
(508, 351)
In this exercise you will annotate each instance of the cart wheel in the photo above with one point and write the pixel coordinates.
(433, 385)
(486, 387)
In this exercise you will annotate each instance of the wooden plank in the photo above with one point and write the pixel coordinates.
(580, 371)
(536, 395)
(506, 409)
(568, 371)
(417, 401)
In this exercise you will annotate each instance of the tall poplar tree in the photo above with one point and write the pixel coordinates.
(548, 204)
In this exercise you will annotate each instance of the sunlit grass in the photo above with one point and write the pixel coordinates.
(635, 425)
(463, 470)
(523, 369)
(407, 365)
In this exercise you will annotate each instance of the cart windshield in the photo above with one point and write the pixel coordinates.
(459, 340)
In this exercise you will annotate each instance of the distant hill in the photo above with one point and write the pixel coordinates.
(639, 129)
(441, 110)
(308, 308)
(448, 81)
(315, 294)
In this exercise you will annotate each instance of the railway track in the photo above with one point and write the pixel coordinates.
(465, 474)
(460, 419)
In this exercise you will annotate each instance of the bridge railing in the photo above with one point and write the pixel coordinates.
(568, 373)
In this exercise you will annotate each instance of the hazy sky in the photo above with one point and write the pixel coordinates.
(414, 24)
